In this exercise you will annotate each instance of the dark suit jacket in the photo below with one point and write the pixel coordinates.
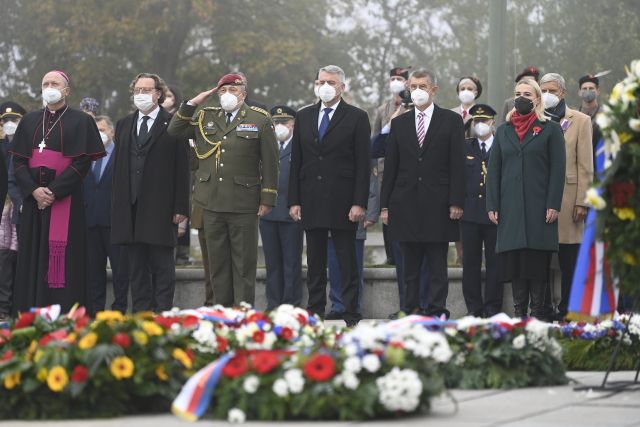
(97, 195)
(280, 212)
(420, 184)
(329, 177)
(164, 191)
(475, 203)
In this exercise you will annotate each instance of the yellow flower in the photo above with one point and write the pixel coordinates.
(122, 367)
(12, 380)
(629, 258)
(182, 357)
(594, 199)
(152, 328)
(32, 349)
(140, 337)
(616, 92)
(88, 341)
(72, 337)
(625, 214)
(110, 316)
(161, 373)
(625, 137)
(57, 378)
(42, 374)
(38, 355)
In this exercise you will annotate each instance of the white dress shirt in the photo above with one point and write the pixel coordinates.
(321, 114)
(152, 118)
(286, 143)
(428, 112)
(487, 143)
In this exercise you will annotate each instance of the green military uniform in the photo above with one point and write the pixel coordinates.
(238, 171)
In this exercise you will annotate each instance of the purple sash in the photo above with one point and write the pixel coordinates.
(60, 210)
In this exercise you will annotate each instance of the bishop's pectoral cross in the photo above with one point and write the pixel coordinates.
(42, 146)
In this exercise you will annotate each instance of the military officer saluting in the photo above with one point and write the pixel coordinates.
(477, 230)
(235, 184)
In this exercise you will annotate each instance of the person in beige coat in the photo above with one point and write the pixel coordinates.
(577, 130)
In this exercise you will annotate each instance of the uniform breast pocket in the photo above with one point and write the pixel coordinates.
(201, 186)
(248, 135)
(247, 192)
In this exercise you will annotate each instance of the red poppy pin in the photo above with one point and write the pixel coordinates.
(536, 130)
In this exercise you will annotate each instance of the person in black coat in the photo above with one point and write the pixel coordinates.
(150, 195)
(329, 186)
(282, 236)
(423, 190)
(97, 196)
(477, 231)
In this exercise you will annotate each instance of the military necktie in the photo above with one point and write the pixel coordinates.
(324, 124)
(229, 118)
(483, 148)
(281, 147)
(144, 130)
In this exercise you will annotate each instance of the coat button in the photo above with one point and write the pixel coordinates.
(319, 178)
(223, 150)
(419, 159)
(480, 196)
(219, 179)
(419, 178)
(221, 164)
(224, 137)
(481, 184)
(319, 157)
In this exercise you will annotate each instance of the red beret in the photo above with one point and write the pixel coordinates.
(230, 79)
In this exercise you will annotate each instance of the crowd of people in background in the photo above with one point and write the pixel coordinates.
(81, 193)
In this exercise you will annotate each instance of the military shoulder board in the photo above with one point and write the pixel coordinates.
(260, 110)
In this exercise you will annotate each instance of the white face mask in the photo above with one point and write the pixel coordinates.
(104, 137)
(51, 95)
(550, 100)
(143, 101)
(396, 86)
(228, 102)
(466, 96)
(282, 132)
(420, 97)
(9, 128)
(316, 90)
(326, 92)
(482, 129)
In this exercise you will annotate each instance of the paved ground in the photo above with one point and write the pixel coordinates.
(531, 407)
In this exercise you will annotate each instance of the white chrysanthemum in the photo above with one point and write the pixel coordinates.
(594, 199)
(635, 68)
(616, 93)
(399, 390)
(205, 334)
(371, 362)
(251, 384)
(236, 415)
(294, 380)
(603, 120)
(634, 124)
(634, 326)
(519, 342)
(350, 380)
(352, 364)
(280, 388)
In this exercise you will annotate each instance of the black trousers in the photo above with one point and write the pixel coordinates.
(8, 260)
(388, 245)
(524, 289)
(567, 257)
(99, 250)
(475, 237)
(146, 261)
(344, 242)
(436, 257)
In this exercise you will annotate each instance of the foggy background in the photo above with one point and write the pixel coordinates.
(280, 45)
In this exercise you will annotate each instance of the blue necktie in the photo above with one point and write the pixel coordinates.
(324, 124)
(97, 169)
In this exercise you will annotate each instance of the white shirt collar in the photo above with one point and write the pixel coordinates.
(152, 115)
(286, 143)
(333, 107)
(488, 143)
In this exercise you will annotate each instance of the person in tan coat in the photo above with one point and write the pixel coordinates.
(577, 130)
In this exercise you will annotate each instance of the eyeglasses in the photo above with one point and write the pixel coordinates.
(145, 90)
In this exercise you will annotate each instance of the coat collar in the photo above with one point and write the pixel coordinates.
(513, 137)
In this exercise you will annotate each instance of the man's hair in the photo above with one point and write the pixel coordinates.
(333, 69)
(105, 119)
(421, 73)
(554, 77)
(159, 84)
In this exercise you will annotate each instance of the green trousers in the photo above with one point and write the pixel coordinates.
(232, 246)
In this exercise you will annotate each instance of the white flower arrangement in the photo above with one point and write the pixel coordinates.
(399, 390)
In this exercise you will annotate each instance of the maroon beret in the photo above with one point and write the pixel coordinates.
(230, 79)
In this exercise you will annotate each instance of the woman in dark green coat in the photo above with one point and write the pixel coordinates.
(524, 194)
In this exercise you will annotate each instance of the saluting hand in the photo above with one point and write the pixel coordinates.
(202, 96)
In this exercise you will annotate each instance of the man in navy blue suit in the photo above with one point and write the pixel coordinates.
(97, 194)
(281, 235)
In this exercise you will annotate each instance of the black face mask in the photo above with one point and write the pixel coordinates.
(523, 105)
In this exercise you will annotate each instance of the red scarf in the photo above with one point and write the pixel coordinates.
(522, 123)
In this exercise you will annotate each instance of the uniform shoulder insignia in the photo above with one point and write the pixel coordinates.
(260, 110)
(212, 108)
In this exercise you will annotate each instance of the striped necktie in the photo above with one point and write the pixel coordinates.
(421, 129)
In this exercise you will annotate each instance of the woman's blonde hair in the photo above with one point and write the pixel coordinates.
(539, 109)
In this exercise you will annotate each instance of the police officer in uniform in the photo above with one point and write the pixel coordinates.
(235, 184)
(477, 230)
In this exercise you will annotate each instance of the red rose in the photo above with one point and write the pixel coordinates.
(81, 323)
(235, 367)
(258, 336)
(121, 339)
(286, 333)
(320, 367)
(264, 361)
(80, 374)
(166, 322)
(301, 319)
(26, 319)
(189, 321)
(7, 356)
(622, 193)
(222, 344)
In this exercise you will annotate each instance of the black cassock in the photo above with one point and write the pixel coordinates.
(75, 135)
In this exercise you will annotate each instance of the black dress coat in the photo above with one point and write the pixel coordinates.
(164, 190)
(420, 184)
(329, 177)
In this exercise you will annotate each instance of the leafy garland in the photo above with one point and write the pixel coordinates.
(617, 195)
